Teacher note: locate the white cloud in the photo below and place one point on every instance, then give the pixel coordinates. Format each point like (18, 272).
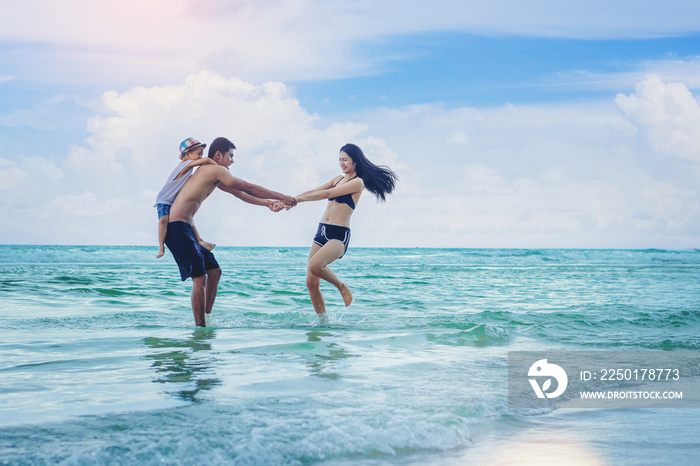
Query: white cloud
(686, 70)
(139, 133)
(163, 41)
(546, 176)
(667, 115)
(458, 137)
(578, 175)
(111, 180)
(10, 174)
(481, 179)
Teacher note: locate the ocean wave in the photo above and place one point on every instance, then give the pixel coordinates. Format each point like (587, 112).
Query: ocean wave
(228, 435)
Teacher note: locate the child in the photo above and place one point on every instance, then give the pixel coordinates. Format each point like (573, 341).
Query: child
(191, 152)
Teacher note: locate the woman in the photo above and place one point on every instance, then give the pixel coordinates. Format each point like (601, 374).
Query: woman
(333, 235)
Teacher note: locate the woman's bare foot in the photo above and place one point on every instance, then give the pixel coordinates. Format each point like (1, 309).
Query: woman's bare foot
(207, 246)
(346, 294)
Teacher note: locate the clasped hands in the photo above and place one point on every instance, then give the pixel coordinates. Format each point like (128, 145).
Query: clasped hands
(286, 204)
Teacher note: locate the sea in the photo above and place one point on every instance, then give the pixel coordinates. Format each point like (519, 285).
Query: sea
(100, 361)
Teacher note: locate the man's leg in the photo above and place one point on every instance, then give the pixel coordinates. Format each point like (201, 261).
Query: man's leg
(213, 277)
(199, 297)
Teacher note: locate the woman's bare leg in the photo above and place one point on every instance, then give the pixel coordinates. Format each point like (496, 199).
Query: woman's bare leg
(319, 259)
(313, 283)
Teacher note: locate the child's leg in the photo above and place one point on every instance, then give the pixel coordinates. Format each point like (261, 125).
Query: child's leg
(162, 231)
(204, 244)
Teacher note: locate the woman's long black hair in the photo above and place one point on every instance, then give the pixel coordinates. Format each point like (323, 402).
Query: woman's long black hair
(378, 179)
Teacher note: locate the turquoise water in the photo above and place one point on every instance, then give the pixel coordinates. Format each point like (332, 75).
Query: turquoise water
(100, 362)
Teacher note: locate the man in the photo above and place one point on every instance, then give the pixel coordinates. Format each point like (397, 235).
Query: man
(192, 259)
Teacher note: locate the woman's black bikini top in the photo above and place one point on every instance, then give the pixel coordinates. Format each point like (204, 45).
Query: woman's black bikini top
(345, 198)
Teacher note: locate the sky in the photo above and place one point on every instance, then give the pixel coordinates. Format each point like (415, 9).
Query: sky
(511, 124)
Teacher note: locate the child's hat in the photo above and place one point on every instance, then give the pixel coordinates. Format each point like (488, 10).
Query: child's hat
(189, 144)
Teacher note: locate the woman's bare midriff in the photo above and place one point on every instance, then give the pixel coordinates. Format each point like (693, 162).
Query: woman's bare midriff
(337, 214)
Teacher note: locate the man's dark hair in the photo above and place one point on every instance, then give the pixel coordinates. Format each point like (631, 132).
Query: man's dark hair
(220, 145)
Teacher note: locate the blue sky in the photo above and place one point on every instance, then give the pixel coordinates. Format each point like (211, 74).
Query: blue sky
(462, 69)
(511, 125)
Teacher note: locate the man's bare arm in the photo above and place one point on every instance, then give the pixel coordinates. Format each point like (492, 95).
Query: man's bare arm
(245, 197)
(229, 182)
